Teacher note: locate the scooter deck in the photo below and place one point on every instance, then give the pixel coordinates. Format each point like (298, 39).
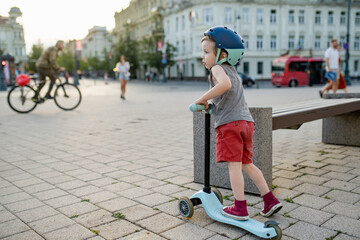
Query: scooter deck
(213, 209)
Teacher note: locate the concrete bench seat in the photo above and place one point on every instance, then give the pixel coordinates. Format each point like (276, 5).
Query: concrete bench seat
(337, 114)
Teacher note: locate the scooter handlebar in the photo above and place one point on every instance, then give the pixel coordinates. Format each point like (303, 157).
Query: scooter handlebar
(199, 107)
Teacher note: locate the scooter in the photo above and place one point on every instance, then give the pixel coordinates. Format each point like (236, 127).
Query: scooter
(212, 200)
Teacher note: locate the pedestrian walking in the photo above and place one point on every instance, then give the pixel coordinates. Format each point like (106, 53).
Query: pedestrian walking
(123, 67)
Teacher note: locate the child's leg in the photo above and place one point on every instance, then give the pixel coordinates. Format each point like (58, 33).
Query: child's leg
(257, 177)
(236, 180)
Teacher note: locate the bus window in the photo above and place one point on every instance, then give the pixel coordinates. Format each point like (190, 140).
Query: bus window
(297, 66)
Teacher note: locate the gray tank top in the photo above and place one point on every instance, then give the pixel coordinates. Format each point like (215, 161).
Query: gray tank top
(231, 106)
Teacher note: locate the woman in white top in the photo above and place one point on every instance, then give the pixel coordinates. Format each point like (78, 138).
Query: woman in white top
(123, 68)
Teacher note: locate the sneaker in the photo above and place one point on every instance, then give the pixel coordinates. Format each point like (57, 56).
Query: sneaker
(321, 94)
(271, 205)
(238, 211)
(122, 97)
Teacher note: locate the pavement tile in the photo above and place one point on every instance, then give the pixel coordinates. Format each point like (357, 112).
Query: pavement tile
(312, 164)
(312, 171)
(163, 222)
(12, 227)
(356, 180)
(312, 189)
(6, 216)
(49, 194)
(341, 185)
(163, 175)
(9, 190)
(150, 183)
(226, 230)
(285, 183)
(62, 201)
(302, 230)
(180, 180)
(116, 229)
(169, 208)
(287, 174)
(116, 204)
(36, 213)
(310, 215)
(27, 182)
(28, 235)
(200, 218)
(219, 237)
(103, 181)
(339, 176)
(38, 187)
(143, 235)
(51, 223)
(73, 232)
(135, 192)
(100, 196)
(188, 231)
(345, 237)
(336, 168)
(78, 208)
(312, 201)
(154, 199)
(282, 193)
(85, 190)
(341, 208)
(343, 196)
(168, 189)
(71, 184)
(312, 179)
(15, 197)
(118, 187)
(138, 212)
(344, 224)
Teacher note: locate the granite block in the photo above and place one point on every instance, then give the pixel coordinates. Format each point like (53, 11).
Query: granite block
(262, 149)
(336, 129)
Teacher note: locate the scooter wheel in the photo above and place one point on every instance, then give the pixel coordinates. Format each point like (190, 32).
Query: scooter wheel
(278, 232)
(218, 194)
(186, 207)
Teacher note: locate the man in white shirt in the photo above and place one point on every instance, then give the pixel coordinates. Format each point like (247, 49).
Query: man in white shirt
(332, 62)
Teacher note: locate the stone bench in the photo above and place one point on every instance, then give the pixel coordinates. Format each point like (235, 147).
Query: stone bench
(337, 116)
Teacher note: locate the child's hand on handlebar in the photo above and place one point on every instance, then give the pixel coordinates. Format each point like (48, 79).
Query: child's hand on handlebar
(202, 102)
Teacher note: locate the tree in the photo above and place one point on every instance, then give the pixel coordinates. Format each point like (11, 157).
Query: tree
(66, 59)
(36, 52)
(129, 48)
(153, 57)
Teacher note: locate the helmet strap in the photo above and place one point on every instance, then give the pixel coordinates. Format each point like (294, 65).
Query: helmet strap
(217, 57)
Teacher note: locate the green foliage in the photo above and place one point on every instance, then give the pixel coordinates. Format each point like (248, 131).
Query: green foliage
(66, 59)
(36, 51)
(118, 215)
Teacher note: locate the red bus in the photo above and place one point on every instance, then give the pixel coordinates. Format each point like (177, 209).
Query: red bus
(296, 71)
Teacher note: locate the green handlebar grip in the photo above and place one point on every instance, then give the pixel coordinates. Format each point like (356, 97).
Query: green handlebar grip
(196, 107)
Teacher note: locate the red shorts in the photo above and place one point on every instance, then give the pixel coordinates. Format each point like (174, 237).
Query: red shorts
(234, 142)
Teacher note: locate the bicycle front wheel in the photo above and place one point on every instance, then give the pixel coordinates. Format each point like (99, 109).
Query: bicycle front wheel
(67, 96)
(20, 99)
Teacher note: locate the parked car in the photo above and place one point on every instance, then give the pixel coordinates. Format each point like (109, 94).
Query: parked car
(246, 80)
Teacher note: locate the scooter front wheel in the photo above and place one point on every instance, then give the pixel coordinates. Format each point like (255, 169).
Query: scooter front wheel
(273, 224)
(186, 207)
(218, 194)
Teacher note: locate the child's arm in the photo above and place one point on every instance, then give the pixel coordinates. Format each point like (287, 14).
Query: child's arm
(223, 84)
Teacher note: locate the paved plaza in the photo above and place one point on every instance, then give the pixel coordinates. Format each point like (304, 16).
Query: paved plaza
(114, 169)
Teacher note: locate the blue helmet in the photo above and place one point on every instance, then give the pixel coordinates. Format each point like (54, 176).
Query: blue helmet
(227, 39)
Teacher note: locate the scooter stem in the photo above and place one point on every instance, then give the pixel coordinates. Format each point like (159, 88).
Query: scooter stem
(207, 187)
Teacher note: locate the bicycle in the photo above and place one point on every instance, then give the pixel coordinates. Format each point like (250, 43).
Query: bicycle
(20, 98)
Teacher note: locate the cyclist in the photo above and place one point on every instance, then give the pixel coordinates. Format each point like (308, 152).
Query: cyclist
(47, 67)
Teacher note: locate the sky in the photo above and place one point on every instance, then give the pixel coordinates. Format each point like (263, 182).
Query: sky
(49, 20)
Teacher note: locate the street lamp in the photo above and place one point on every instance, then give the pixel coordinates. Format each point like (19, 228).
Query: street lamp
(347, 77)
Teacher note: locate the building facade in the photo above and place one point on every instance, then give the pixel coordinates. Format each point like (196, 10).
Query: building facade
(270, 28)
(12, 36)
(97, 43)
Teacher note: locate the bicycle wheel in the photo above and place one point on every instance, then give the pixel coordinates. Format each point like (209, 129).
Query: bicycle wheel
(67, 96)
(19, 99)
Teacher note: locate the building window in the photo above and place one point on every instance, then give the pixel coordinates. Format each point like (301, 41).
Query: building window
(259, 67)
(357, 43)
(301, 42)
(182, 22)
(291, 17)
(183, 47)
(302, 17)
(228, 15)
(245, 15)
(357, 18)
(259, 16)
(177, 47)
(318, 17)
(177, 24)
(259, 42)
(291, 42)
(167, 27)
(317, 42)
(342, 41)
(356, 66)
(273, 16)
(328, 44)
(246, 40)
(343, 18)
(246, 68)
(331, 17)
(208, 16)
(273, 42)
